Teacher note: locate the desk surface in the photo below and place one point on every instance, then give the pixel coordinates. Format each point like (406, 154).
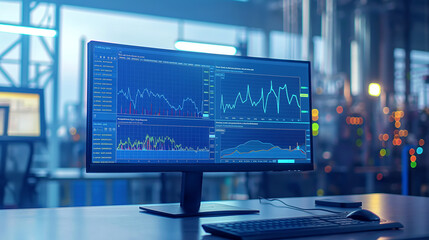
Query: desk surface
(126, 222)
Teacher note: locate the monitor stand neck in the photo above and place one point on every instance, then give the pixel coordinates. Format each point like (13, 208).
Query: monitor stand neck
(190, 200)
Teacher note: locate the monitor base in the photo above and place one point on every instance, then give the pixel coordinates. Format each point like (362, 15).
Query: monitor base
(174, 210)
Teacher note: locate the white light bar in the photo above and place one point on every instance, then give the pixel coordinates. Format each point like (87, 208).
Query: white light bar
(205, 47)
(44, 32)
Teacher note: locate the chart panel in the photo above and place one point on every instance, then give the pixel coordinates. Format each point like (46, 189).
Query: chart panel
(259, 97)
(160, 89)
(256, 143)
(161, 143)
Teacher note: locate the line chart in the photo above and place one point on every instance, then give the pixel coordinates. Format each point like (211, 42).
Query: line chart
(162, 142)
(259, 96)
(160, 89)
(188, 107)
(262, 99)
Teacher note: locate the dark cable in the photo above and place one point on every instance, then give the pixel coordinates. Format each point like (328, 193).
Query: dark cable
(306, 210)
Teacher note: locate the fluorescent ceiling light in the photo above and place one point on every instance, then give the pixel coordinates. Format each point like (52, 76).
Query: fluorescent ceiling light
(205, 47)
(44, 32)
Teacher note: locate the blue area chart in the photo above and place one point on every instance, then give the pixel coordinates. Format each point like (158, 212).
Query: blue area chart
(159, 89)
(257, 97)
(256, 149)
(258, 143)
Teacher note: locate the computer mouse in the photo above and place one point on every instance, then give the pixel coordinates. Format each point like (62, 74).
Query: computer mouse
(363, 215)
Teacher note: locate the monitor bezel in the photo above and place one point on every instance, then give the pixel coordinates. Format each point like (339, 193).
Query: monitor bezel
(184, 167)
(42, 136)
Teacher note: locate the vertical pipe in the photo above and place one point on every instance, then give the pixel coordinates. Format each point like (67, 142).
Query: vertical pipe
(25, 43)
(407, 47)
(329, 35)
(306, 30)
(386, 58)
(267, 44)
(81, 89)
(53, 188)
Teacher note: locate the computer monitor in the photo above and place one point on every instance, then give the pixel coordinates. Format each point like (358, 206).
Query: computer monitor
(22, 114)
(156, 110)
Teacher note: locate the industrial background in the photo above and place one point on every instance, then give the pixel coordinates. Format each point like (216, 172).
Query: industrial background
(370, 84)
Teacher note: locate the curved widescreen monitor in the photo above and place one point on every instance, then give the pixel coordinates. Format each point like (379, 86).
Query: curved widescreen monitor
(163, 110)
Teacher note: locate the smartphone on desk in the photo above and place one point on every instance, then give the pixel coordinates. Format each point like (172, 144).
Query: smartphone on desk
(338, 203)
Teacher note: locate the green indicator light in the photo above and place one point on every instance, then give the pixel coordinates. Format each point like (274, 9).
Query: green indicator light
(303, 95)
(419, 150)
(359, 143)
(315, 126)
(413, 164)
(383, 152)
(359, 131)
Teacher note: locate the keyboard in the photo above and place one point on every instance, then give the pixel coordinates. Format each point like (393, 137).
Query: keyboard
(296, 227)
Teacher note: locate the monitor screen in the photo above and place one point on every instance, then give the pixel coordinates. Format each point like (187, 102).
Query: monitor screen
(163, 110)
(25, 111)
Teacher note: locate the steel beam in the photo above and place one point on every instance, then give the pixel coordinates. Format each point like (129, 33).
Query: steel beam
(252, 14)
(25, 44)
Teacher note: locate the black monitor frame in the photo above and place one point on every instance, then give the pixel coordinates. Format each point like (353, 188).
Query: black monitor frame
(192, 173)
(170, 167)
(42, 136)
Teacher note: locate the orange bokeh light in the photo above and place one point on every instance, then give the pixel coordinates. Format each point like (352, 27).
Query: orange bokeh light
(421, 142)
(340, 109)
(397, 124)
(315, 112)
(397, 141)
(385, 137)
(398, 114)
(412, 151)
(328, 169)
(413, 158)
(386, 110)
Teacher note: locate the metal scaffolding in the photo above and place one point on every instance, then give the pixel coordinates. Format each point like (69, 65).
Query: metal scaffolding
(36, 73)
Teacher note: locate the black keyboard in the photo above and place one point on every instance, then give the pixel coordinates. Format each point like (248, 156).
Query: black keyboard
(296, 227)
